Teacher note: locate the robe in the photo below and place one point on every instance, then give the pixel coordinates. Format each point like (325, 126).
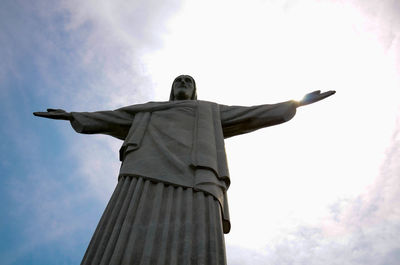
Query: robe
(180, 146)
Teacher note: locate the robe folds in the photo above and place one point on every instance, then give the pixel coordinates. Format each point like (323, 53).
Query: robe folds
(181, 143)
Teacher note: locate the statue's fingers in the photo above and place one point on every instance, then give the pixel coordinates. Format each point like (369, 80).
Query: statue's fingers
(328, 93)
(331, 92)
(41, 114)
(54, 110)
(316, 92)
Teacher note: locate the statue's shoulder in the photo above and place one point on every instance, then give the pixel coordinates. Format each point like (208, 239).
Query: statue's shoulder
(161, 105)
(209, 103)
(205, 102)
(144, 106)
(179, 103)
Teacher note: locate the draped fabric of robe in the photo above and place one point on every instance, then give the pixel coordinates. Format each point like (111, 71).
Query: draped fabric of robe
(152, 223)
(173, 157)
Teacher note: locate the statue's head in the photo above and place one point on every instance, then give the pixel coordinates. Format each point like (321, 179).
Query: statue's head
(183, 88)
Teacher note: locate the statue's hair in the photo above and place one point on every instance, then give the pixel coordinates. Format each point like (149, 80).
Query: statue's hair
(194, 95)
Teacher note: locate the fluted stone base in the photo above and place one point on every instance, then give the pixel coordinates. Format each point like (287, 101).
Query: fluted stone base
(153, 223)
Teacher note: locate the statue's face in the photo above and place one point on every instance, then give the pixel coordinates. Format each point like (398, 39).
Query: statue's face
(183, 87)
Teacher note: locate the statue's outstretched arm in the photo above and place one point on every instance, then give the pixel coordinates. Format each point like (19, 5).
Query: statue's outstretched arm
(57, 114)
(314, 97)
(236, 120)
(111, 122)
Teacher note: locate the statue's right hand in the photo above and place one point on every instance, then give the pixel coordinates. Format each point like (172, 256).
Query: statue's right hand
(57, 114)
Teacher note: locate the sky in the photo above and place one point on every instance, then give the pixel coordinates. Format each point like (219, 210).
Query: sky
(321, 189)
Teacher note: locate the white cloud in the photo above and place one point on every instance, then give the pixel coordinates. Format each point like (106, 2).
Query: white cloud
(362, 230)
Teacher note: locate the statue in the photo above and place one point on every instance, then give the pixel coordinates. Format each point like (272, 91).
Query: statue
(170, 204)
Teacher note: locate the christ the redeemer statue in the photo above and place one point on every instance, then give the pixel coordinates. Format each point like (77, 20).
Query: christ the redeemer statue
(170, 204)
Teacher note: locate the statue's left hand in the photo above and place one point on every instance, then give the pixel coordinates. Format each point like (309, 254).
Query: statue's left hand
(57, 114)
(315, 96)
